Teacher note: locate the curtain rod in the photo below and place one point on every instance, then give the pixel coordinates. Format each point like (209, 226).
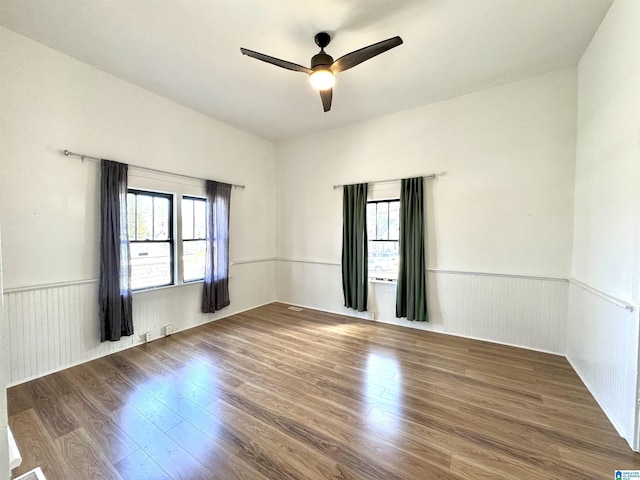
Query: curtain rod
(82, 156)
(432, 177)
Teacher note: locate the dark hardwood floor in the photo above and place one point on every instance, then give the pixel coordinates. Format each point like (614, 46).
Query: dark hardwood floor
(277, 394)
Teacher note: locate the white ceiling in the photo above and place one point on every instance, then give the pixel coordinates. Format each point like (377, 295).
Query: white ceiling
(189, 50)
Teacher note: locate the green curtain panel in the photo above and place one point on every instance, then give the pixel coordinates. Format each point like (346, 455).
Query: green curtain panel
(411, 295)
(114, 290)
(355, 282)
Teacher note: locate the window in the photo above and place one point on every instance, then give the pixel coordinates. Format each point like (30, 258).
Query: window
(383, 232)
(194, 230)
(150, 228)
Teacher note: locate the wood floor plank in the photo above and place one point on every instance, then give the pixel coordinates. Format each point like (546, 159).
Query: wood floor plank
(357, 435)
(86, 380)
(140, 466)
(119, 389)
(277, 394)
(276, 454)
(222, 461)
(85, 458)
(36, 446)
(47, 402)
(163, 450)
(19, 399)
(113, 441)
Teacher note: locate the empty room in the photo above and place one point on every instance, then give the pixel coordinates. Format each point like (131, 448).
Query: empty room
(361, 239)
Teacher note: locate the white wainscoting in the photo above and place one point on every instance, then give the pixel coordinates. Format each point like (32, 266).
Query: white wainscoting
(602, 347)
(312, 284)
(52, 327)
(524, 311)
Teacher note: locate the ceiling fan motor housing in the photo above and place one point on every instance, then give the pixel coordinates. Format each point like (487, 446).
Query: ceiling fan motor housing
(321, 60)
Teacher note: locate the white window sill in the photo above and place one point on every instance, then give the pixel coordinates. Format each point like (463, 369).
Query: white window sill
(385, 281)
(164, 287)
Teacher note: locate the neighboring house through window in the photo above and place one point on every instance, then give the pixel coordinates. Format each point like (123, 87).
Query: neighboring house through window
(194, 230)
(150, 228)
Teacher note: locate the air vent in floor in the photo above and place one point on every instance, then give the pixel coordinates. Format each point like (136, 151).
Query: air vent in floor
(295, 309)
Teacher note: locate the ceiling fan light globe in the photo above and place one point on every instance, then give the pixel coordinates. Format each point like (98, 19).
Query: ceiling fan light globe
(322, 79)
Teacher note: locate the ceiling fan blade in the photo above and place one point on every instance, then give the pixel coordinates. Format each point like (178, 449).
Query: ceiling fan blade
(276, 61)
(358, 56)
(326, 96)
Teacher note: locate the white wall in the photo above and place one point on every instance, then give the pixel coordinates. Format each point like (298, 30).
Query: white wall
(603, 341)
(4, 381)
(502, 204)
(49, 203)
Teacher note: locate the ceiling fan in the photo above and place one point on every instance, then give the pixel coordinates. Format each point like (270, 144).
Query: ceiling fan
(324, 68)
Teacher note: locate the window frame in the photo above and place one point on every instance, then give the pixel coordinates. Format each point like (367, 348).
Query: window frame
(171, 240)
(197, 198)
(388, 201)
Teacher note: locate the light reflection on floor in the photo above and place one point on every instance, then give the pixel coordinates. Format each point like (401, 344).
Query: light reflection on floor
(164, 402)
(384, 416)
(189, 392)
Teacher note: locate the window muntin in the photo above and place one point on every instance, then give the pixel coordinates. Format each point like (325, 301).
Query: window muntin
(150, 229)
(383, 232)
(194, 230)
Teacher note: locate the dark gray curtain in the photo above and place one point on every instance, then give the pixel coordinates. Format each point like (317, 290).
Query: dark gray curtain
(411, 295)
(215, 292)
(114, 291)
(355, 261)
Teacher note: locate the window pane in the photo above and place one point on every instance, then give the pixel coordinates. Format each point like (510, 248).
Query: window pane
(187, 218)
(131, 216)
(160, 218)
(200, 224)
(193, 260)
(144, 217)
(394, 220)
(382, 221)
(371, 220)
(150, 264)
(383, 260)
